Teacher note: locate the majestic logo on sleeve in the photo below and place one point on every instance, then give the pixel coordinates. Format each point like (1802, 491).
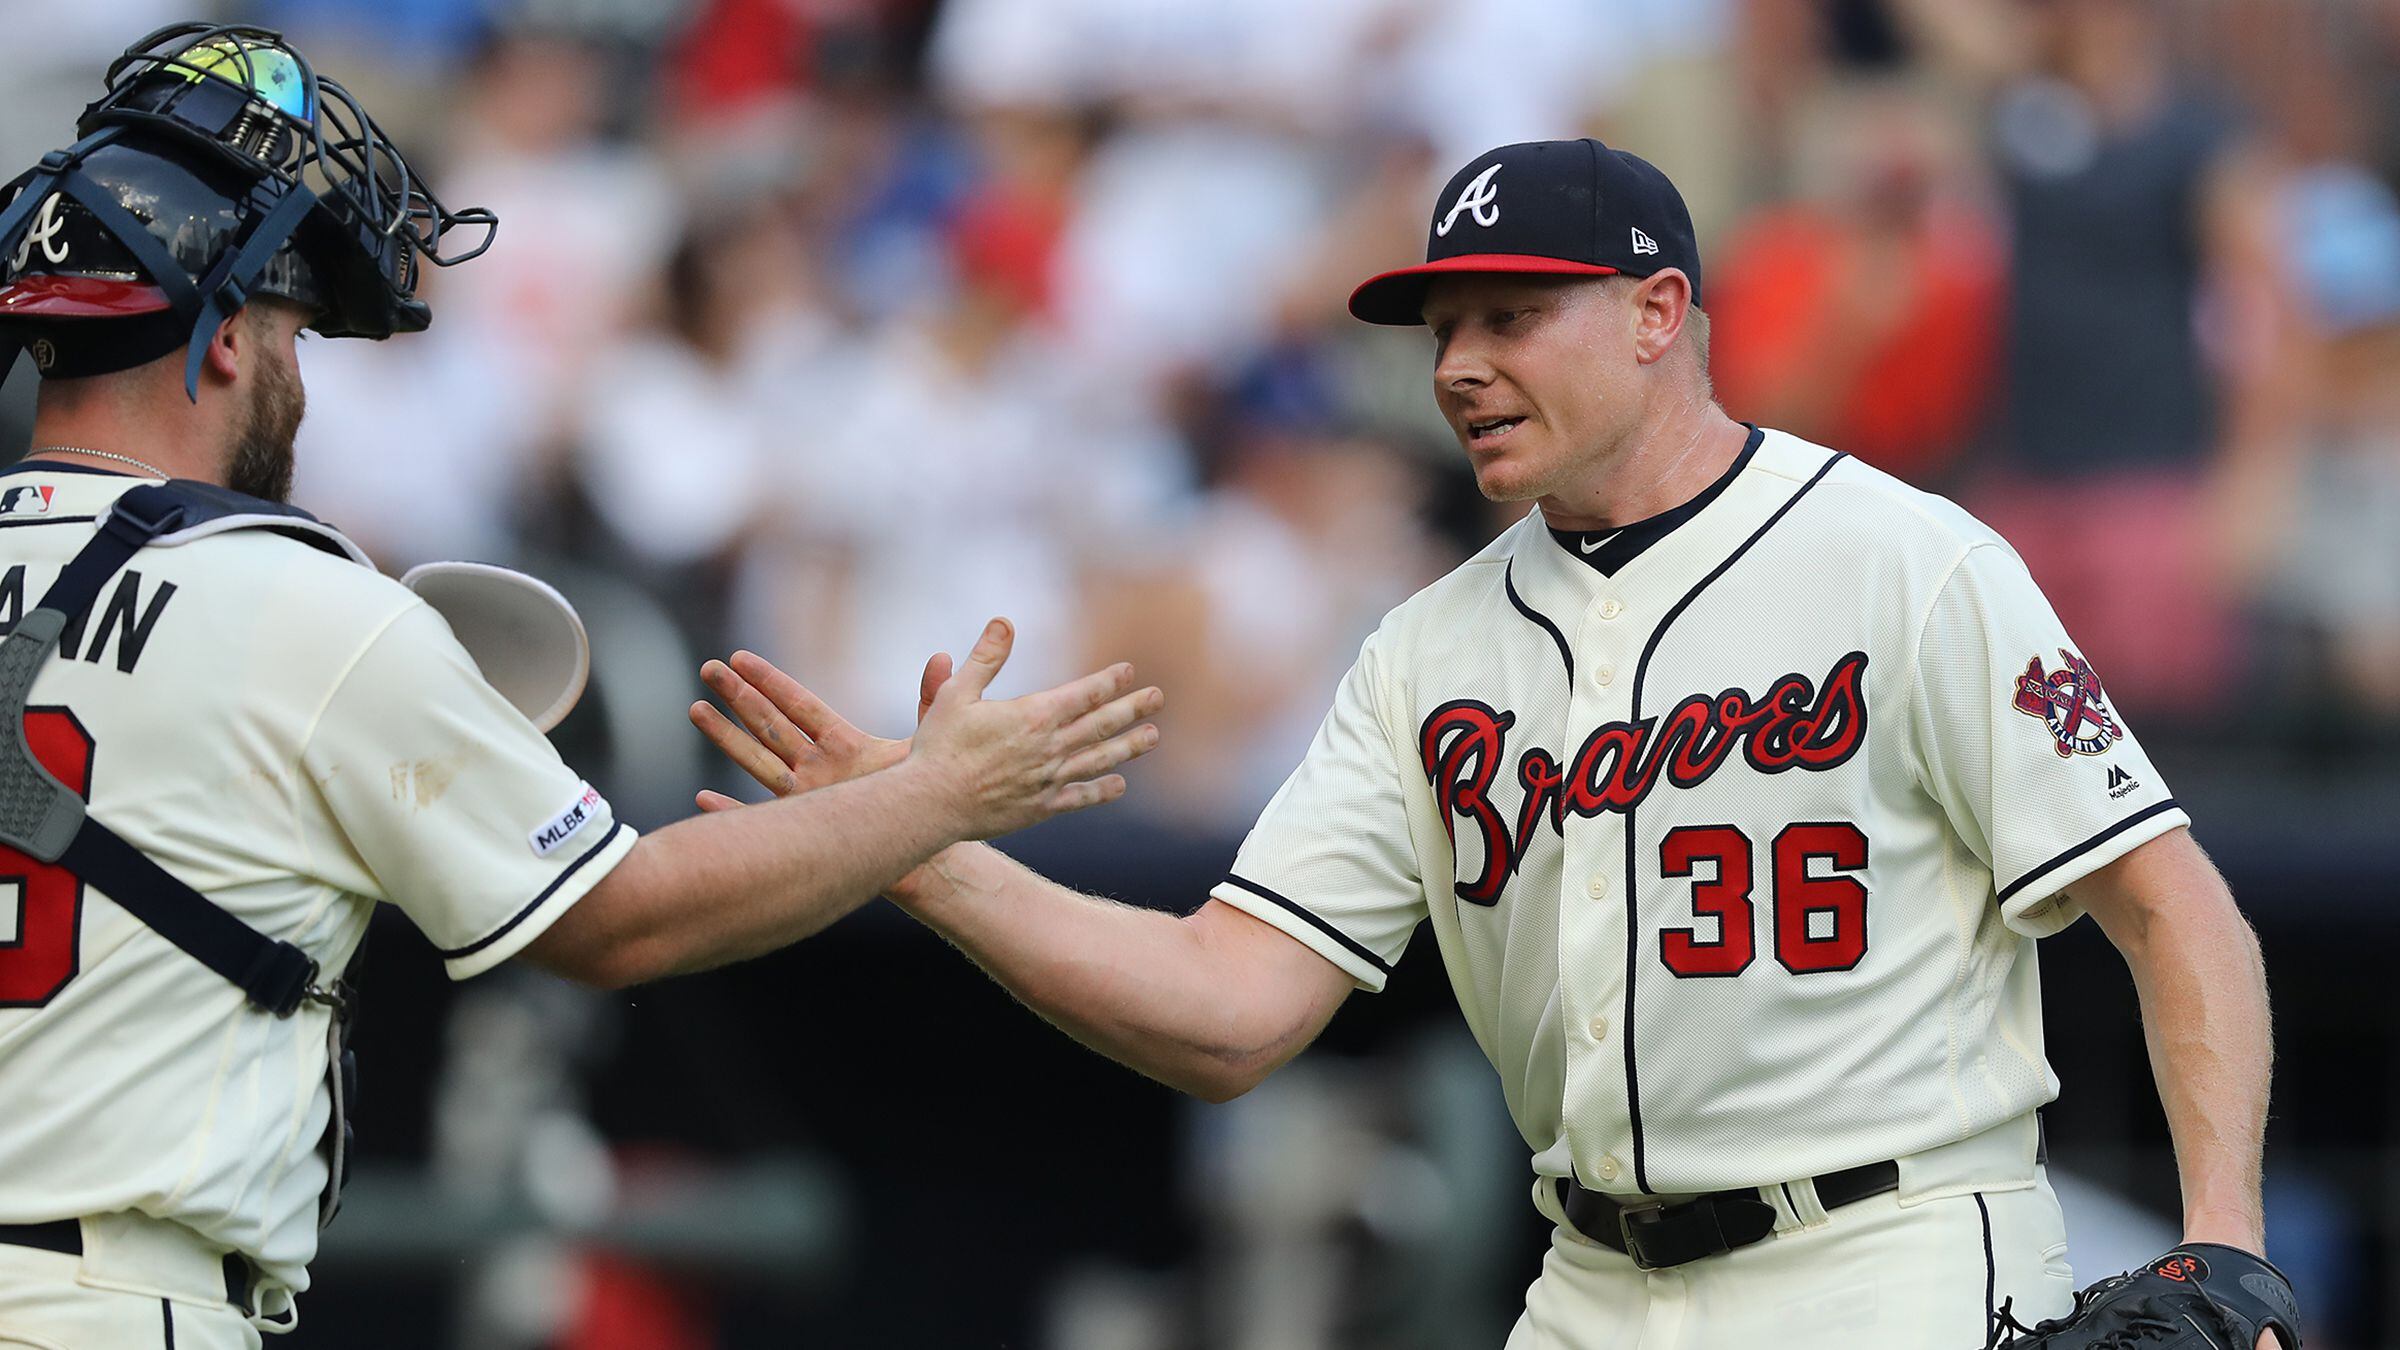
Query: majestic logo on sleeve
(1480, 196)
(1794, 725)
(2070, 701)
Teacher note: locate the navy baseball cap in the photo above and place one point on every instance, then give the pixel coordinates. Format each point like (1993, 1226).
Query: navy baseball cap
(1565, 208)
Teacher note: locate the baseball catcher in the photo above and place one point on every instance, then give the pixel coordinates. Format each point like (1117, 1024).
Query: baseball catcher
(225, 741)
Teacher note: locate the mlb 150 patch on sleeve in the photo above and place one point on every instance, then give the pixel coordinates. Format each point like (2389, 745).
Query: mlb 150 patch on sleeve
(552, 834)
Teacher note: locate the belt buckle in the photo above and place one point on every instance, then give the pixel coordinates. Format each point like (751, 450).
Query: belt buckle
(1626, 1217)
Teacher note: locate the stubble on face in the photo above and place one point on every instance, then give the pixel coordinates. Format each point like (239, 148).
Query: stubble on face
(263, 456)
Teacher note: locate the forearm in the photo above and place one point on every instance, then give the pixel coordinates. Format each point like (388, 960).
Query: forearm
(2205, 1019)
(728, 886)
(1144, 988)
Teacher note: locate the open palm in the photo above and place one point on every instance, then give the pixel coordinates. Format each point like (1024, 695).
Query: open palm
(788, 739)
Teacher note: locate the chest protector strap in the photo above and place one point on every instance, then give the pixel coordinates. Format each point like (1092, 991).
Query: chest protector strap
(44, 819)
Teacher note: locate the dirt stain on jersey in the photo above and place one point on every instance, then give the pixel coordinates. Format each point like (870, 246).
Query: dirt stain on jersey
(419, 783)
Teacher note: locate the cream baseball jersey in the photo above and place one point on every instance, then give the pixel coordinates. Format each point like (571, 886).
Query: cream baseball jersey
(1733, 827)
(298, 738)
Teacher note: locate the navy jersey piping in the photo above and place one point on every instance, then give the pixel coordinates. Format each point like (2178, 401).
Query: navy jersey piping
(1629, 542)
(1991, 1266)
(1633, 1082)
(536, 903)
(1508, 579)
(59, 466)
(46, 520)
(2086, 846)
(1349, 944)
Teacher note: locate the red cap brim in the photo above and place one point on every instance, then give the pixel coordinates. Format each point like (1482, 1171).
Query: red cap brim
(1398, 297)
(45, 296)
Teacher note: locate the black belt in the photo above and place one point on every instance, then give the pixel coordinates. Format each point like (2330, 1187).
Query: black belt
(66, 1238)
(1657, 1235)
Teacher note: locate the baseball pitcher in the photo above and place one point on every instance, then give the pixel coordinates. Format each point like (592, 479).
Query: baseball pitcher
(1735, 784)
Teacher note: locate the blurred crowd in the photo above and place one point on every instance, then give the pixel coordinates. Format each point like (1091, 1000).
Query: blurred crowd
(835, 326)
(829, 328)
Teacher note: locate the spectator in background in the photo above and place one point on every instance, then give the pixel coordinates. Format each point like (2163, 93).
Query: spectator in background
(1867, 314)
(679, 423)
(737, 58)
(590, 218)
(2136, 215)
(951, 462)
(54, 54)
(1309, 533)
(478, 413)
(2330, 500)
(393, 426)
(415, 34)
(1689, 99)
(1207, 173)
(1469, 77)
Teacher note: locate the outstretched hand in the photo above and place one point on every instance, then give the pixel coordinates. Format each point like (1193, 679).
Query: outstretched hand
(1012, 764)
(790, 740)
(1003, 765)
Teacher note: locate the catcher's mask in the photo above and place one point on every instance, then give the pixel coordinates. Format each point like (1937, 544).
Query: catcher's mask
(217, 166)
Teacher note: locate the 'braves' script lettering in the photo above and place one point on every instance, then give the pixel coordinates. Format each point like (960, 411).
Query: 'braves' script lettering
(1794, 725)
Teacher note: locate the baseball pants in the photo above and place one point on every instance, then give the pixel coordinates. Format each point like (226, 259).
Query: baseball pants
(1881, 1272)
(153, 1287)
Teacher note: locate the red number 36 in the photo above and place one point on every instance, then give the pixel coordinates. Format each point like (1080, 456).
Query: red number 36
(1798, 897)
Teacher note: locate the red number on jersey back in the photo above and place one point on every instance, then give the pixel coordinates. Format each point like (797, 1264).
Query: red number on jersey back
(41, 956)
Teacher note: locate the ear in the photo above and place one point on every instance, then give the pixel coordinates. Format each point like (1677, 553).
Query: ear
(1660, 303)
(223, 358)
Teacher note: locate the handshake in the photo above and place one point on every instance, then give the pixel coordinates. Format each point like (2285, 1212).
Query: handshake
(990, 767)
(857, 815)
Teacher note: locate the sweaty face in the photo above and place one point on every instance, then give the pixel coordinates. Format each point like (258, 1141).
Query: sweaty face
(270, 420)
(1536, 376)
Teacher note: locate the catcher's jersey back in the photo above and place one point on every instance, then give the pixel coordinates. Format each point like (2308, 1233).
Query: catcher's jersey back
(296, 737)
(1733, 828)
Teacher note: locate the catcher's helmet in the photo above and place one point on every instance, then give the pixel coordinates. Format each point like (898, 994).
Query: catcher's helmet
(216, 166)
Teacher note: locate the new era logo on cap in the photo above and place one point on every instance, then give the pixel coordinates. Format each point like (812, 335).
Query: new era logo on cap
(1574, 208)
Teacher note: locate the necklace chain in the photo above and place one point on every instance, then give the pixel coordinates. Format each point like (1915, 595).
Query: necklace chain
(151, 469)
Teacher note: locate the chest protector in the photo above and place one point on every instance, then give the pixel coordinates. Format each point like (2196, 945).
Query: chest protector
(45, 819)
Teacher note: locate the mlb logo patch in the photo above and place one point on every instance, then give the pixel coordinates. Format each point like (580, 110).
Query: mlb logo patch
(33, 499)
(552, 835)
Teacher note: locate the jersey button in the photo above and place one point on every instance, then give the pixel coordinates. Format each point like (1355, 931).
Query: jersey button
(1597, 887)
(1607, 1170)
(1599, 1028)
(1610, 609)
(1604, 674)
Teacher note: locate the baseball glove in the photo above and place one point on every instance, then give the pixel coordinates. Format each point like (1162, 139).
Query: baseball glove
(2200, 1296)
